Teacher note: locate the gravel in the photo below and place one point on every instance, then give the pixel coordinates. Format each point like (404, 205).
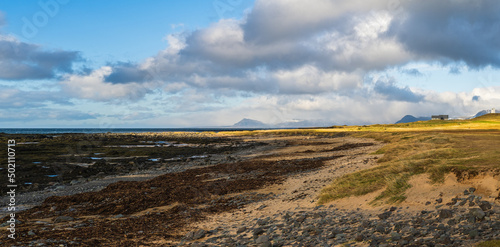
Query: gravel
(455, 225)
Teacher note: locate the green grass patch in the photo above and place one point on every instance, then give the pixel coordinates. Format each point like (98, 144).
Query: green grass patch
(490, 243)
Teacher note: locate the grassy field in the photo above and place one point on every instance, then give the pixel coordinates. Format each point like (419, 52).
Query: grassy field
(436, 148)
(464, 147)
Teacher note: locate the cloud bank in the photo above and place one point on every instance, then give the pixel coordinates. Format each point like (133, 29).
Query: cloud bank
(290, 58)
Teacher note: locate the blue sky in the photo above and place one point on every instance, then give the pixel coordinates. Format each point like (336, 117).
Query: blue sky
(68, 63)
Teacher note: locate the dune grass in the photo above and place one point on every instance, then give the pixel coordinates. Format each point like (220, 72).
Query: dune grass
(432, 147)
(490, 243)
(416, 151)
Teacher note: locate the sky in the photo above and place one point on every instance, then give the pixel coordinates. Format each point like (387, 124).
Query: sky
(199, 63)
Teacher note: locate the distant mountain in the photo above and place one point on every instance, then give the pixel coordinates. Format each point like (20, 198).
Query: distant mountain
(250, 123)
(411, 119)
(303, 124)
(483, 112)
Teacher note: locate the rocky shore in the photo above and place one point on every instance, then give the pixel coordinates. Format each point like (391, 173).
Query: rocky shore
(257, 191)
(461, 222)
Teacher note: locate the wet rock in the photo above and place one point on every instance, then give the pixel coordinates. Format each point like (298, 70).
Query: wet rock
(472, 189)
(439, 200)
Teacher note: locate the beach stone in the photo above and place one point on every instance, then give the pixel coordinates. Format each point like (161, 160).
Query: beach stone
(484, 205)
(445, 239)
(241, 229)
(198, 245)
(463, 202)
(257, 231)
(452, 222)
(445, 213)
(359, 237)
(199, 234)
(473, 234)
(472, 189)
(340, 236)
(385, 215)
(477, 213)
(439, 200)
(262, 222)
(263, 241)
(301, 218)
(395, 236)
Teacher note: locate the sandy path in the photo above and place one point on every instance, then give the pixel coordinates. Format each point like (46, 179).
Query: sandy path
(299, 192)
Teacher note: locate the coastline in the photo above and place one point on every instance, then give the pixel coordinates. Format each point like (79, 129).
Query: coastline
(255, 190)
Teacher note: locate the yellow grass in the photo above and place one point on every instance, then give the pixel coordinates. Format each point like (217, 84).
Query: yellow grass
(432, 147)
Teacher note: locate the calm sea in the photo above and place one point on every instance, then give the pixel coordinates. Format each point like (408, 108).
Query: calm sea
(117, 130)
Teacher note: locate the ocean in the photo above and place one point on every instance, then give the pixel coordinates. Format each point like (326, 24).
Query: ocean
(114, 130)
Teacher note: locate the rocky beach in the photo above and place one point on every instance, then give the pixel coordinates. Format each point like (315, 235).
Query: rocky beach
(241, 190)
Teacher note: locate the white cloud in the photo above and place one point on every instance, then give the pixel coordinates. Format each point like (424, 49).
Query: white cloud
(94, 87)
(309, 79)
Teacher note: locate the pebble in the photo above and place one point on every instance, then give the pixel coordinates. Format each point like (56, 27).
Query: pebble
(327, 226)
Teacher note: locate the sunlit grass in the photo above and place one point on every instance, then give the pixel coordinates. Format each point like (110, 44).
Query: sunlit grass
(414, 151)
(490, 243)
(432, 147)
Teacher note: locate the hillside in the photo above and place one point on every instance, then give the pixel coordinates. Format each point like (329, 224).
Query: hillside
(250, 123)
(411, 119)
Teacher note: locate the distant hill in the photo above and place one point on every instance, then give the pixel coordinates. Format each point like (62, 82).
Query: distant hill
(483, 112)
(411, 119)
(250, 123)
(489, 117)
(303, 124)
